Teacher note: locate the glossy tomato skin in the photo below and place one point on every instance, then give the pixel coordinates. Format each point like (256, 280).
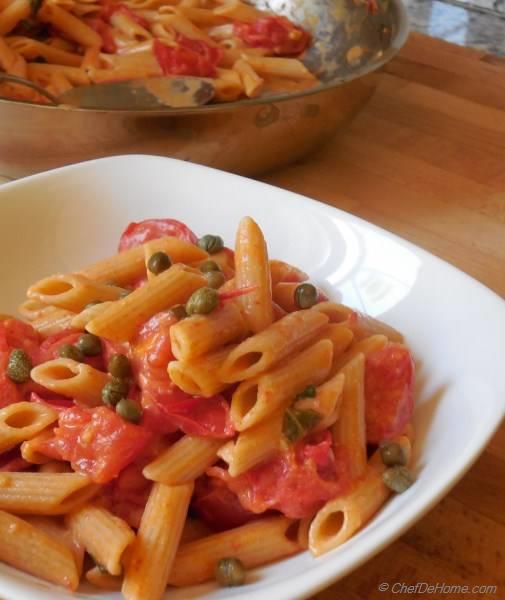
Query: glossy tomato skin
(278, 34)
(98, 442)
(49, 348)
(389, 392)
(188, 57)
(297, 482)
(151, 229)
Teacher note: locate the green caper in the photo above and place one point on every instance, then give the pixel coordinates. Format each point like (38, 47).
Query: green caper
(298, 422)
(129, 410)
(19, 366)
(309, 392)
(392, 454)
(89, 344)
(209, 265)
(230, 572)
(179, 311)
(305, 295)
(215, 279)
(119, 366)
(398, 478)
(93, 303)
(125, 293)
(202, 301)
(70, 351)
(114, 391)
(159, 262)
(211, 243)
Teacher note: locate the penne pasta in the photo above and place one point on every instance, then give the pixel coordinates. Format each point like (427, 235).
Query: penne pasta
(327, 401)
(12, 14)
(184, 461)
(22, 421)
(365, 346)
(103, 580)
(256, 398)
(73, 27)
(251, 81)
(81, 320)
(32, 449)
(291, 68)
(52, 320)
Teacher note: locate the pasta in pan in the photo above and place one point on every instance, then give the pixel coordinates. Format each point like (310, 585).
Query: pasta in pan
(178, 426)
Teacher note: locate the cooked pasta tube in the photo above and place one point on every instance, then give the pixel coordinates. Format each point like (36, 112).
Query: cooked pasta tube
(200, 377)
(283, 271)
(290, 68)
(105, 536)
(12, 14)
(52, 320)
(257, 398)
(23, 420)
(253, 269)
(72, 292)
(55, 466)
(158, 537)
(254, 445)
(73, 27)
(234, 9)
(103, 581)
(251, 81)
(327, 401)
(129, 265)
(31, 49)
(184, 461)
(122, 319)
(12, 62)
(71, 379)
(341, 518)
(31, 309)
(124, 23)
(350, 430)
(194, 337)
(185, 27)
(30, 450)
(44, 494)
(280, 339)
(341, 337)
(227, 85)
(283, 293)
(88, 314)
(365, 346)
(32, 550)
(257, 543)
(337, 313)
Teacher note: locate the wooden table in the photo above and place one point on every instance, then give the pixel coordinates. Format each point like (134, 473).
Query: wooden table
(426, 160)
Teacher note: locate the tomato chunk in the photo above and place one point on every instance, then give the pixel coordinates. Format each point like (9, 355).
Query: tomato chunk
(389, 392)
(17, 334)
(297, 482)
(98, 442)
(104, 30)
(275, 33)
(49, 349)
(189, 57)
(151, 229)
(194, 415)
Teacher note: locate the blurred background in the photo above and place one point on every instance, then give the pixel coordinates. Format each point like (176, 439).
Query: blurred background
(477, 23)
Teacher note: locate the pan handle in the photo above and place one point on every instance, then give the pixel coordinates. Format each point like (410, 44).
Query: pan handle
(30, 84)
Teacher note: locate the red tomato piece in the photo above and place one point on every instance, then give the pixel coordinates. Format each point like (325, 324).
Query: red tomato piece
(194, 415)
(98, 442)
(51, 345)
(9, 391)
(389, 392)
(151, 229)
(13, 461)
(105, 32)
(189, 57)
(297, 482)
(17, 334)
(217, 506)
(276, 33)
(54, 401)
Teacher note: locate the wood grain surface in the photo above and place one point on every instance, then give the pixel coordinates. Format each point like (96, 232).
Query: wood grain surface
(426, 160)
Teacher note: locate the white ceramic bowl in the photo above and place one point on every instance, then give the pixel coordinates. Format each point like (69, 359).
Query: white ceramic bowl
(61, 220)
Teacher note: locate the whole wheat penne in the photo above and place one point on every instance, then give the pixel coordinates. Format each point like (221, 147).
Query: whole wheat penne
(365, 346)
(105, 536)
(72, 292)
(252, 269)
(23, 420)
(34, 551)
(153, 551)
(283, 337)
(72, 379)
(257, 543)
(256, 398)
(129, 265)
(194, 337)
(184, 461)
(44, 494)
(121, 320)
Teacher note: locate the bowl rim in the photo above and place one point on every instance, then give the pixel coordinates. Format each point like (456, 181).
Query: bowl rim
(397, 43)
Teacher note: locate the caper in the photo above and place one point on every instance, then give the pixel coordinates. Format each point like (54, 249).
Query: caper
(398, 478)
(215, 279)
(209, 265)
(93, 303)
(305, 295)
(119, 366)
(392, 454)
(159, 262)
(211, 243)
(70, 351)
(179, 311)
(114, 391)
(202, 301)
(298, 422)
(89, 344)
(128, 410)
(19, 366)
(230, 572)
(309, 392)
